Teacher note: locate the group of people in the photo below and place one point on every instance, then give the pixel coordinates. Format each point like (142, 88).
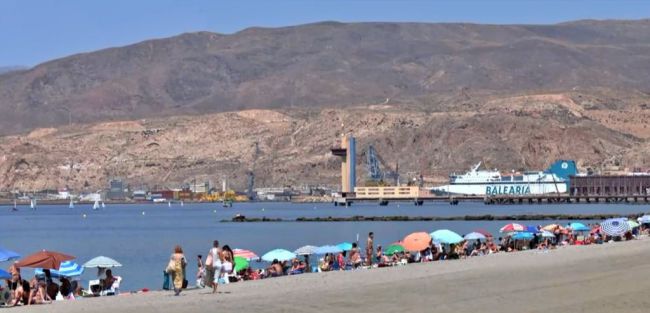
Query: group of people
(40, 289)
(217, 270)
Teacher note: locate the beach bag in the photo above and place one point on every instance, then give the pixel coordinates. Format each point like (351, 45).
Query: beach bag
(167, 281)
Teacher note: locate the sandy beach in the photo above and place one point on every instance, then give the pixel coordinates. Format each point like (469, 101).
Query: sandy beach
(597, 278)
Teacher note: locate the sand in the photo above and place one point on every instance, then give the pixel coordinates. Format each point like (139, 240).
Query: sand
(605, 278)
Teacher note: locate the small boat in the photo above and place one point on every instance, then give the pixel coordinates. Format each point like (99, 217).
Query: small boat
(96, 205)
(227, 203)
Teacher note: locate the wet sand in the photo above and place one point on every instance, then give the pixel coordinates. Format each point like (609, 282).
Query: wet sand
(605, 278)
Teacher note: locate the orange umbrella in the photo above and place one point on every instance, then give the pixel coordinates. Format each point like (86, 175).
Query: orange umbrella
(416, 241)
(50, 260)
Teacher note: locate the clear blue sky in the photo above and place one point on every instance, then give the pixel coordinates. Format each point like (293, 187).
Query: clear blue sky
(33, 31)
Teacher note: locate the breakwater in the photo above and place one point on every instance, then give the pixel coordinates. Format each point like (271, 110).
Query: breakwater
(487, 217)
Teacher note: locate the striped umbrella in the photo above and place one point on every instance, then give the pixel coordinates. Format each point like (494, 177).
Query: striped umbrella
(246, 254)
(615, 226)
(513, 227)
(67, 269)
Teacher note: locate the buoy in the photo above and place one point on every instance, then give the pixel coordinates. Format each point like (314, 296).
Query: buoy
(214, 211)
(84, 215)
(142, 212)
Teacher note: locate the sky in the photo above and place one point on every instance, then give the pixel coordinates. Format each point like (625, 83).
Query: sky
(34, 31)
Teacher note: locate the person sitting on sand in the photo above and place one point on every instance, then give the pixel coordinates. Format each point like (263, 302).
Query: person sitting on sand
(107, 283)
(38, 293)
(295, 267)
(340, 260)
(66, 289)
(325, 265)
(355, 256)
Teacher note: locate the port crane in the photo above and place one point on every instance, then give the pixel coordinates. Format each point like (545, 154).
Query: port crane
(374, 164)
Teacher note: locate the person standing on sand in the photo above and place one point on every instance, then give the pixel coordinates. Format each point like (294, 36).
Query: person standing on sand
(213, 255)
(369, 248)
(176, 267)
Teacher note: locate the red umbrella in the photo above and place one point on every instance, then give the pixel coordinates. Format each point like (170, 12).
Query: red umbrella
(50, 260)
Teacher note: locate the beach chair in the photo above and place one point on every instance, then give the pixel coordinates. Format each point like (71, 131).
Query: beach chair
(94, 288)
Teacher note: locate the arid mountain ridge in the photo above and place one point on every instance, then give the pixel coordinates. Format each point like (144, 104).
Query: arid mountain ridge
(438, 97)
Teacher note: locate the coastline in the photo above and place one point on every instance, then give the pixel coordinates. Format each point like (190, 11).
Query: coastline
(595, 278)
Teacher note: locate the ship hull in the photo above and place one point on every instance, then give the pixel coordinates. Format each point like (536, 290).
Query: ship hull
(488, 189)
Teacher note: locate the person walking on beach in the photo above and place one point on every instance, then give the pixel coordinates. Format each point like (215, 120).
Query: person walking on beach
(176, 267)
(369, 248)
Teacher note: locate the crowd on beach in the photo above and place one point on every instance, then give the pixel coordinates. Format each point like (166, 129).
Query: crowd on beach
(223, 265)
(220, 265)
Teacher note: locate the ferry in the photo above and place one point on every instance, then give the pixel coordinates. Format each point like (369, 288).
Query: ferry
(491, 182)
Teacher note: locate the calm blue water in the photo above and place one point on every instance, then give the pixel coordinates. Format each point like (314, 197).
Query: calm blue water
(143, 242)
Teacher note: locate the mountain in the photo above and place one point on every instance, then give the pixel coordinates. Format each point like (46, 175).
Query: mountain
(7, 69)
(435, 67)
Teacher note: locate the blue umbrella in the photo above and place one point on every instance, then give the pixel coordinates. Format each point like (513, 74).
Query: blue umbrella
(532, 229)
(446, 236)
(474, 236)
(6, 255)
(328, 249)
(67, 269)
(579, 227)
(615, 226)
(523, 236)
(4, 274)
(278, 254)
(345, 246)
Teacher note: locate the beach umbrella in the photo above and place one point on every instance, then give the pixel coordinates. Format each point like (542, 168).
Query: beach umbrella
(241, 263)
(644, 219)
(483, 232)
(102, 262)
(512, 227)
(67, 269)
(474, 236)
(615, 226)
(328, 249)
(416, 241)
(532, 229)
(579, 227)
(345, 246)
(45, 260)
(246, 254)
(551, 227)
(523, 236)
(632, 224)
(394, 248)
(278, 254)
(4, 274)
(6, 255)
(547, 234)
(305, 250)
(446, 236)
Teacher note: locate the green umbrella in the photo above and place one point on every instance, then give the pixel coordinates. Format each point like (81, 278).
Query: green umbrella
(394, 248)
(240, 263)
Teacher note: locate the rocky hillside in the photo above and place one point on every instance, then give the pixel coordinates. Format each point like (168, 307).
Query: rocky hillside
(435, 67)
(516, 132)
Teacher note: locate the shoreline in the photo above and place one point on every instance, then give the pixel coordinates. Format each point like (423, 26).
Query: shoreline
(595, 278)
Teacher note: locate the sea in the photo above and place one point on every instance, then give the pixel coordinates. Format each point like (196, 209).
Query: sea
(142, 236)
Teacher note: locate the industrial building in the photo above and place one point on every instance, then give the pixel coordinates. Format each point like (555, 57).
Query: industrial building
(606, 185)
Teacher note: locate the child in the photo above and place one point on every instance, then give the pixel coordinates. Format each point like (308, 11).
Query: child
(200, 273)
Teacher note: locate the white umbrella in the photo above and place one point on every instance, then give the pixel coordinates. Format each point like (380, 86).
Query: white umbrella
(306, 250)
(102, 262)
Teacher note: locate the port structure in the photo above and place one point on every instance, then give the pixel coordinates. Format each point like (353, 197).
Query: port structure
(347, 153)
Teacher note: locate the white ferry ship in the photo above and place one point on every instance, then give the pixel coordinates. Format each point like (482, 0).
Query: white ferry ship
(491, 182)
